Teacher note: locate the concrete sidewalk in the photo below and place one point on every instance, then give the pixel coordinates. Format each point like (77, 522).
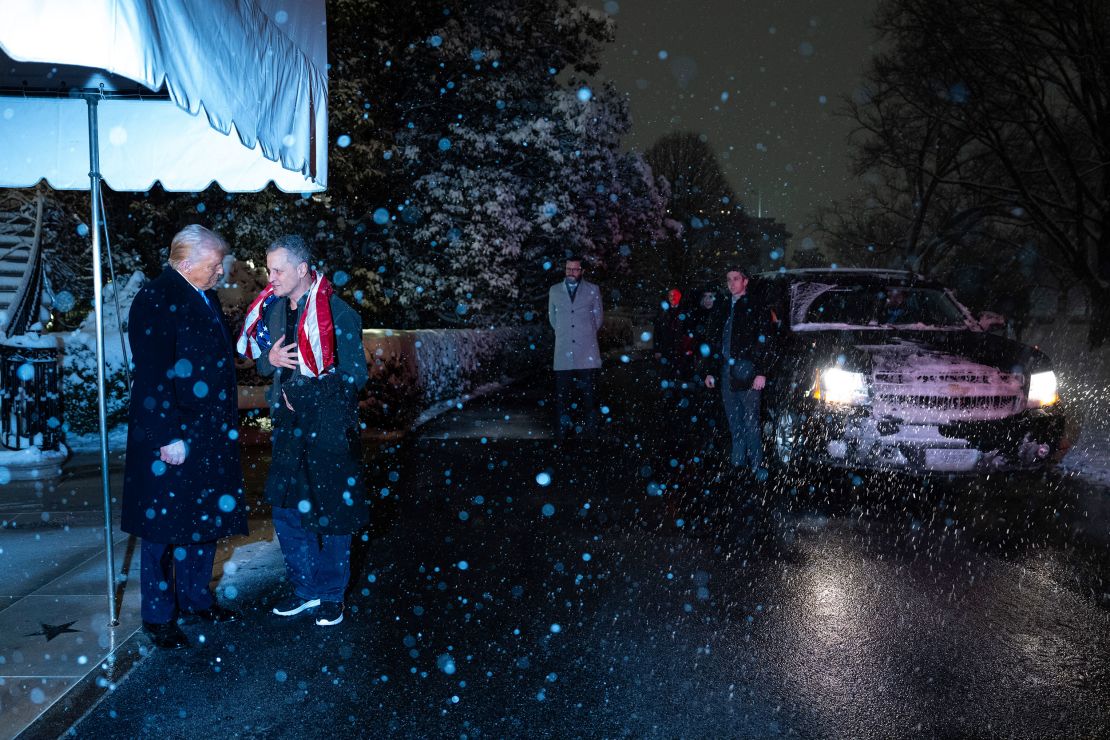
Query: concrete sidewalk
(54, 625)
(58, 651)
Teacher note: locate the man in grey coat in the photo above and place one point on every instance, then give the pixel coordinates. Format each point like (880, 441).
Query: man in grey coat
(574, 310)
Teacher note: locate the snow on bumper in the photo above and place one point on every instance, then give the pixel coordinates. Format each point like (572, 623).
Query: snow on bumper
(1025, 441)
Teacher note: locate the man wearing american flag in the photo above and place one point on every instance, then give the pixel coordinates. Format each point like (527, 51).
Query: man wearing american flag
(310, 342)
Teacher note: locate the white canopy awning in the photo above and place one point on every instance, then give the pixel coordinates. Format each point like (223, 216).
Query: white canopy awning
(255, 66)
(243, 93)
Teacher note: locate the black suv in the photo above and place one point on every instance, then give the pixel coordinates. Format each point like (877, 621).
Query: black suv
(884, 370)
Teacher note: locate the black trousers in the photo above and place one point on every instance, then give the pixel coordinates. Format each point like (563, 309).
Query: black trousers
(175, 579)
(575, 390)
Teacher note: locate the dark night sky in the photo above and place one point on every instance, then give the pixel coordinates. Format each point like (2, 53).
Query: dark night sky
(785, 67)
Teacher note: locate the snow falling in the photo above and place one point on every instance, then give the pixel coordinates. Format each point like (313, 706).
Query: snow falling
(855, 496)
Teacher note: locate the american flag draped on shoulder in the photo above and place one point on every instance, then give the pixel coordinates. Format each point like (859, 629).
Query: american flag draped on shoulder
(315, 333)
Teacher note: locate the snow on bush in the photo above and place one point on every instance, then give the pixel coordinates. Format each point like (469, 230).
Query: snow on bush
(79, 363)
(410, 371)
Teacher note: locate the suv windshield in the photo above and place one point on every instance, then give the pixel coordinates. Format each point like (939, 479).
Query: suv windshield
(893, 305)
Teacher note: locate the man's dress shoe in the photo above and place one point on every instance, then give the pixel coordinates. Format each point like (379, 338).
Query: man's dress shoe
(167, 636)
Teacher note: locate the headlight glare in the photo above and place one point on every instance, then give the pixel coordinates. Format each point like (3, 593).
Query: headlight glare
(842, 386)
(1042, 389)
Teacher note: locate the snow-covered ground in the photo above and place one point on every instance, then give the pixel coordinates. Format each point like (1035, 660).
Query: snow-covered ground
(30, 463)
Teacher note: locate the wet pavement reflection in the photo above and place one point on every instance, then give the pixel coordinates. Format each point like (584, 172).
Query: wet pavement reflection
(509, 588)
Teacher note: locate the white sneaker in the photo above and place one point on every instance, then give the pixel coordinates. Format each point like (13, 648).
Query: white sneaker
(330, 613)
(291, 605)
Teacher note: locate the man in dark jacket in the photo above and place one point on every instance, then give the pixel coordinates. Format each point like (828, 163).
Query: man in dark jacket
(742, 333)
(311, 343)
(672, 338)
(183, 484)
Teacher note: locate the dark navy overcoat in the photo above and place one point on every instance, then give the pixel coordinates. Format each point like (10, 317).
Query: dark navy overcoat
(183, 387)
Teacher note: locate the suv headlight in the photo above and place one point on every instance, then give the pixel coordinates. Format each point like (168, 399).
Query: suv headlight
(1042, 389)
(835, 385)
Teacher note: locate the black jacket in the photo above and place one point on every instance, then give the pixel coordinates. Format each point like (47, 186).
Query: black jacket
(183, 387)
(317, 454)
(753, 335)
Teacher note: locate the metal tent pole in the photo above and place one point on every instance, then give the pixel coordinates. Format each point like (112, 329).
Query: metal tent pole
(91, 99)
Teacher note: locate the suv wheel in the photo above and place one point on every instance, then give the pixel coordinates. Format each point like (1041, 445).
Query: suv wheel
(784, 439)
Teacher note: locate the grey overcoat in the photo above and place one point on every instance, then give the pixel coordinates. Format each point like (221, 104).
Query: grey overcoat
(576, 324)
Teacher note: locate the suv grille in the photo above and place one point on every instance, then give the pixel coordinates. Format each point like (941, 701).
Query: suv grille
(949, 403)
(939, 398)
(903, 378)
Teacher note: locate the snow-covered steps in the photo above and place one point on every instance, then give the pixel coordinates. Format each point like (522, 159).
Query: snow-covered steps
(20, 261)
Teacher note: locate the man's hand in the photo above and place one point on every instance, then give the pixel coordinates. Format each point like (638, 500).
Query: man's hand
(710, 382)
(758, 383)
(283, 355)
(173, 453)
(286, 399)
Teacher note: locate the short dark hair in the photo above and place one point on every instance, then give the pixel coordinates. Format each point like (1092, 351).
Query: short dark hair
(294, 244)
(575, 258)
(738, 268)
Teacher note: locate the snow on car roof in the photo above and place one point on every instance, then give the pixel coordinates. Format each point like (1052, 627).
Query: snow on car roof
(843, 272)
(806, 289)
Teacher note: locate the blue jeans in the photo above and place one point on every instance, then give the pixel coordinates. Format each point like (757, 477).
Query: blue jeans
(175, 577)
(319, 565)
(742, 413)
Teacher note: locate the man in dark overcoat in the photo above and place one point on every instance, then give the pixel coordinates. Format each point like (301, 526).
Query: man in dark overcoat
(183, 484)
(671, 340)
(310, 341)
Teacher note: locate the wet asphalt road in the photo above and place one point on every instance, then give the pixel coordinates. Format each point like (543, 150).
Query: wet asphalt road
(490, 605)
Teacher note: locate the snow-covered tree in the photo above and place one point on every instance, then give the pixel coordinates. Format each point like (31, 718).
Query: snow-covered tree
(468, 150)
(513, 159)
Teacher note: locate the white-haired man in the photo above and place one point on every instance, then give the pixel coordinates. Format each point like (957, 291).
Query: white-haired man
(183, 483)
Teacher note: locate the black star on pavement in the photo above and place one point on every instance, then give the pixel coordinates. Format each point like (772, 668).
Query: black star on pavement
(50, 631)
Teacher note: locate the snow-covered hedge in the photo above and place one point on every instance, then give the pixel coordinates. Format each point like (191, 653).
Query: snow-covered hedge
(79, 363)
(411, 371)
